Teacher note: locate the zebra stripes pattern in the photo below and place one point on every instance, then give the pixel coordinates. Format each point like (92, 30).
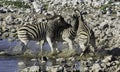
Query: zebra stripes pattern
(85, 35)
(57, 29)
(43, 31)
(69, 34)
(35, 32)
(64, 31)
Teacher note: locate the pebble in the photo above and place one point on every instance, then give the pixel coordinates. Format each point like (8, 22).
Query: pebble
(9, 19)
(3, 10)
(5, 35)
(107, 59)
(21, 65)
(37, 6)
(34, 69)
(55, 68)
(103, 65)
(13, 30)
(18, 21)
(101, 28)
(118, 13)
(96, 67)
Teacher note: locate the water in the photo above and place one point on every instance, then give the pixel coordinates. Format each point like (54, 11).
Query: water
(8, 64)
(10, 47)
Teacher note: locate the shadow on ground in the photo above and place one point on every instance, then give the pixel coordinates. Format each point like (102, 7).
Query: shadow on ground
(114, 51)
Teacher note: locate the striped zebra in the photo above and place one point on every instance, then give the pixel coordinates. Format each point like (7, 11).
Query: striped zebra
(68, 33)
(42, 32)
(85, 35)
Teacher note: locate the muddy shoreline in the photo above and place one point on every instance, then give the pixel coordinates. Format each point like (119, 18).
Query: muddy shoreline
(102, 16)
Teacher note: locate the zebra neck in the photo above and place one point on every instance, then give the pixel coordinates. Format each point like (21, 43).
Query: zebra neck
(75, 27)
(83, 25)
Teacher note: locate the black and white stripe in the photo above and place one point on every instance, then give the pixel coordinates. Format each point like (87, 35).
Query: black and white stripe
(35, 32)
(43, 31)
(69, 33)
(66, 33)
(85, 35)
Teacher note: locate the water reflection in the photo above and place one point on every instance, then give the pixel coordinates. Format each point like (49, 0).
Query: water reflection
(8, 64)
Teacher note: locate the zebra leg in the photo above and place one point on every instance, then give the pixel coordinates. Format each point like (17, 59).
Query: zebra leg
(93, 44)
(25, 44)
(82, 46)
(50, 43)
(41, 43)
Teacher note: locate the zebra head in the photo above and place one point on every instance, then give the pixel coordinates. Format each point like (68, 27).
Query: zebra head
(73, 20)
(79, 14)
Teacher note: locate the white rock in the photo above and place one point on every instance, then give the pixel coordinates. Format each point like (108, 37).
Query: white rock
(118, 13)
(24, 70)
(108, 64)
(28, 11)
(108, 58)
(37, 6)
(3, 10)
(60, 59)
(96, 4)
(55, 68)
(103, 24)
(96, 67)
(2, 53)
(109, 11)
(18, 20)
(9, 19)
(26, 1)
(103, 65)
(71, 59)
(21, 65)
(34, 69)
(13, 30)
(51, 13)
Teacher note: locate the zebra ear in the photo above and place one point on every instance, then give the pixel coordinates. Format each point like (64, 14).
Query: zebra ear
(76, 12)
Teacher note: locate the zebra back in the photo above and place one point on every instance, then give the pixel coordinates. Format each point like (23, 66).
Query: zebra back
(57, 26)
(33, 32)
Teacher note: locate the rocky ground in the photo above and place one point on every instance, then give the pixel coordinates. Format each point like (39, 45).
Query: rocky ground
(102, 16)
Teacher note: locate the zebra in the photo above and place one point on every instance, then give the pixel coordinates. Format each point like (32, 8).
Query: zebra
(68, 33)
(42, 32)
(85, 35)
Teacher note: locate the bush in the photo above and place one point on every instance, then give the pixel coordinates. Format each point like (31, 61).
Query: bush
(18, 4)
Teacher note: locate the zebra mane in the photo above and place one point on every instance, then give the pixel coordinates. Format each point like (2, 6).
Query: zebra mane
(81, 17)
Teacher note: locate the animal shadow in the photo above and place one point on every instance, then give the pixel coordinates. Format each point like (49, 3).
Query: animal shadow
(114, 52)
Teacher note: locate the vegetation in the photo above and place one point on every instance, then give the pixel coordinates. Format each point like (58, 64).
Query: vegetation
(18, 4)
(46, 6)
